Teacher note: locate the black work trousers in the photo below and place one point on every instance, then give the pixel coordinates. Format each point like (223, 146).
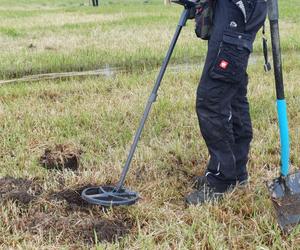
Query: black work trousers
(221, 104)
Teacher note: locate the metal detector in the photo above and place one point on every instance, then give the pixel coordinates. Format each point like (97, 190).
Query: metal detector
(284, 190)
(108, 196)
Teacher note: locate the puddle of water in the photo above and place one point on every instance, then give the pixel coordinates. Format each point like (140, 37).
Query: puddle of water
(107, 71)
(110, 72)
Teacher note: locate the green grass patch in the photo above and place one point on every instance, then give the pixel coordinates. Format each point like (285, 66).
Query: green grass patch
(10, 32)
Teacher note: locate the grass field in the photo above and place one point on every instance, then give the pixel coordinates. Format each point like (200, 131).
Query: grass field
(100, 115)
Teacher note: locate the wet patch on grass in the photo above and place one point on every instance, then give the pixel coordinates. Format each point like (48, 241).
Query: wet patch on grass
(61, 156)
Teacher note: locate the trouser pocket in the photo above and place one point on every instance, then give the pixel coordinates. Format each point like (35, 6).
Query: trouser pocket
(232, 59)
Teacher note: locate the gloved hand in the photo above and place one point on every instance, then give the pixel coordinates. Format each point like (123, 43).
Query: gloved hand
(195, 9)
(203, 18)
(189, 4)
(192, 13)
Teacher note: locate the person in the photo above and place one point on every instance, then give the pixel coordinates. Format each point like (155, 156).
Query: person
(95, 3)
(221, 104)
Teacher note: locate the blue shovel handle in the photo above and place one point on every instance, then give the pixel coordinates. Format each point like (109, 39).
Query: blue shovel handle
(273, 14)
(284, 137)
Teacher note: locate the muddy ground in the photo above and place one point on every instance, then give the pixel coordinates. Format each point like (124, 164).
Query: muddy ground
(20, 190)
(61, 214)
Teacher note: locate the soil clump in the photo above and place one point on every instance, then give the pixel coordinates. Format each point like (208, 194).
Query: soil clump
(61, 156)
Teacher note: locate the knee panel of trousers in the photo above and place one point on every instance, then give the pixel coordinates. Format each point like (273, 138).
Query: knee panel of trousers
(215, 128)
(210, 94)
(208, 106)
(212, 128)
(243, 135)
(247, 135)
(214, 120)
(244, 138)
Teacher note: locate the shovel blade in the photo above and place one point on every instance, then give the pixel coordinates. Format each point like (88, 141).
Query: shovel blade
(285, 194)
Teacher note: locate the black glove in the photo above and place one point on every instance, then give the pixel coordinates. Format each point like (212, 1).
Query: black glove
(192, 13)
(204, 10)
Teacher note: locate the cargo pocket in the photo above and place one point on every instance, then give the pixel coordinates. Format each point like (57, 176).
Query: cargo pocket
(232, 59)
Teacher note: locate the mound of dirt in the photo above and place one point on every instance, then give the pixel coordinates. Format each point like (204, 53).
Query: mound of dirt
(18, 189)
(61, 156)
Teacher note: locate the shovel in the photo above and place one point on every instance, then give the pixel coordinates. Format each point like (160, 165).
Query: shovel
(284, 190)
